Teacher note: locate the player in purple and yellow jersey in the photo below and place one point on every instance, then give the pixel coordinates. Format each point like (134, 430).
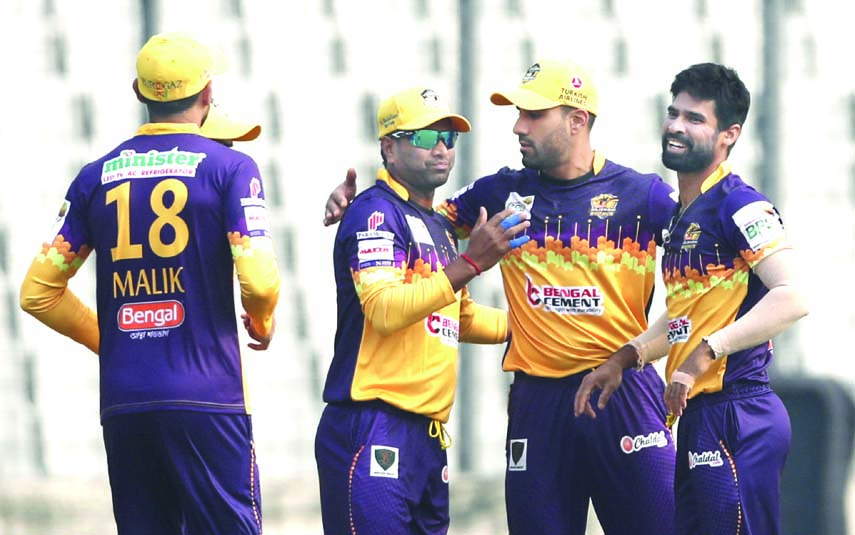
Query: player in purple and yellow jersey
(171, 215)
(402, 309)
(576, 292)
(731, 287)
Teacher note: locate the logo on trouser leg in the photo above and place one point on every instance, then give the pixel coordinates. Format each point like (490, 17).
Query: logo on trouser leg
(517, 453)
(384, 461)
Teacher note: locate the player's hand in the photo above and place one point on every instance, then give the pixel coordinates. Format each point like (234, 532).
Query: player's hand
(608, 378)
(261, 342)
(678, 390)
(491, 239)
(340, 198)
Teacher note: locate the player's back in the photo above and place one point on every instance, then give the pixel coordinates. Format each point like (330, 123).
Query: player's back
(160, 211)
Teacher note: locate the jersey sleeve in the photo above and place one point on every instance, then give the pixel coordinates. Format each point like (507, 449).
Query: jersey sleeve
(392, 294)
(481, 324)
(463, 208)
(44, 292)
(251, 245)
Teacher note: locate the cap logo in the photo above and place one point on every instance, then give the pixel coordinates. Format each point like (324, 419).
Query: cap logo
(430, 98)
(531, 73)
(576, 82)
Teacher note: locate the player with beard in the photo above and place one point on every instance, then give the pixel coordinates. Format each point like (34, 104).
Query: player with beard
(579, 289)
(731, 287)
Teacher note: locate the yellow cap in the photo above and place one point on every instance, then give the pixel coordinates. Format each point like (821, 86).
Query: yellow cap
(416, 108)
(547, 84)
(218, 125)
(172, 66)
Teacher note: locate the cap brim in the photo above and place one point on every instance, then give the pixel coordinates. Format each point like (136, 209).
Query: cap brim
(523, 99)
(218, 125)
(458, 122)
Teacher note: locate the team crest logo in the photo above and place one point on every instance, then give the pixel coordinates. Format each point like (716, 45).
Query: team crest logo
(384, 462)
(604, 205)
(430, 98)
(517, 454)
(693, 234)
(531, 73)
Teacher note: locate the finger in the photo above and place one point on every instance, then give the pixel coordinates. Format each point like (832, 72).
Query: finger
(590, 410)
(482, 217)
(605, 395)
(582, 396)
(516, 242)
(512, 220)
(350, 178)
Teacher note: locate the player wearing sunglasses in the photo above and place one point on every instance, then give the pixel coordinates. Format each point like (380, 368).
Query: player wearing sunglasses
(402, 309)
(577, 292)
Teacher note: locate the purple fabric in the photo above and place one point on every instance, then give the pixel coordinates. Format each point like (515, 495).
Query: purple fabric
(731, 451)
(183, 472)
(623, 460)
(380, 472)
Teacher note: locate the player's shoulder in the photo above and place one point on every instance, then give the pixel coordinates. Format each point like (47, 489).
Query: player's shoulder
(735, 193)
(374, 199)
(616, 170)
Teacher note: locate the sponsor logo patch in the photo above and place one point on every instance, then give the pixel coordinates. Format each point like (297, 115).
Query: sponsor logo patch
(519, 203)
(444, 328)
(420, 232)
(151, 164)
(708, 458)
(375, 250)
(679, 330)
(575, 300)
(633, 444)
(151, 315)
(759, 223)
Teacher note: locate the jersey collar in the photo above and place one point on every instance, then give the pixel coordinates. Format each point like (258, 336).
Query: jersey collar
(721, 171)
(384, 176)
(154, 129)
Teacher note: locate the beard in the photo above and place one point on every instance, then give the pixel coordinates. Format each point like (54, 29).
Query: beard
(695, 158)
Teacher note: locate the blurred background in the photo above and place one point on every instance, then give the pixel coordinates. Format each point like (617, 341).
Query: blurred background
(312, 73)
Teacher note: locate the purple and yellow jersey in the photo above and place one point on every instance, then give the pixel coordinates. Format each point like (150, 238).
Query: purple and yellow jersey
(581, 287)
(171, 215)
(710, 250)
(399, 320)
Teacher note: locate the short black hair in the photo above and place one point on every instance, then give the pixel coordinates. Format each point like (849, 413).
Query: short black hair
(157, 108)
(721, 84)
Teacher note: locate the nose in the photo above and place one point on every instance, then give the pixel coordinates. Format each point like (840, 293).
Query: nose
(440, 147)
(521, 126)
(674, 125)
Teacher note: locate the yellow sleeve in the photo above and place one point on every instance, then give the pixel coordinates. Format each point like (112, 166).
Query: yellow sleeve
(258, 276)
(481, 324)
(390, 305)
(45, 296)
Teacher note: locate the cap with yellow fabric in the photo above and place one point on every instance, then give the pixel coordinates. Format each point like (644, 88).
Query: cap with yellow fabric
(172, 66)
(549, 83)
(218, 125)
(415, 108)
